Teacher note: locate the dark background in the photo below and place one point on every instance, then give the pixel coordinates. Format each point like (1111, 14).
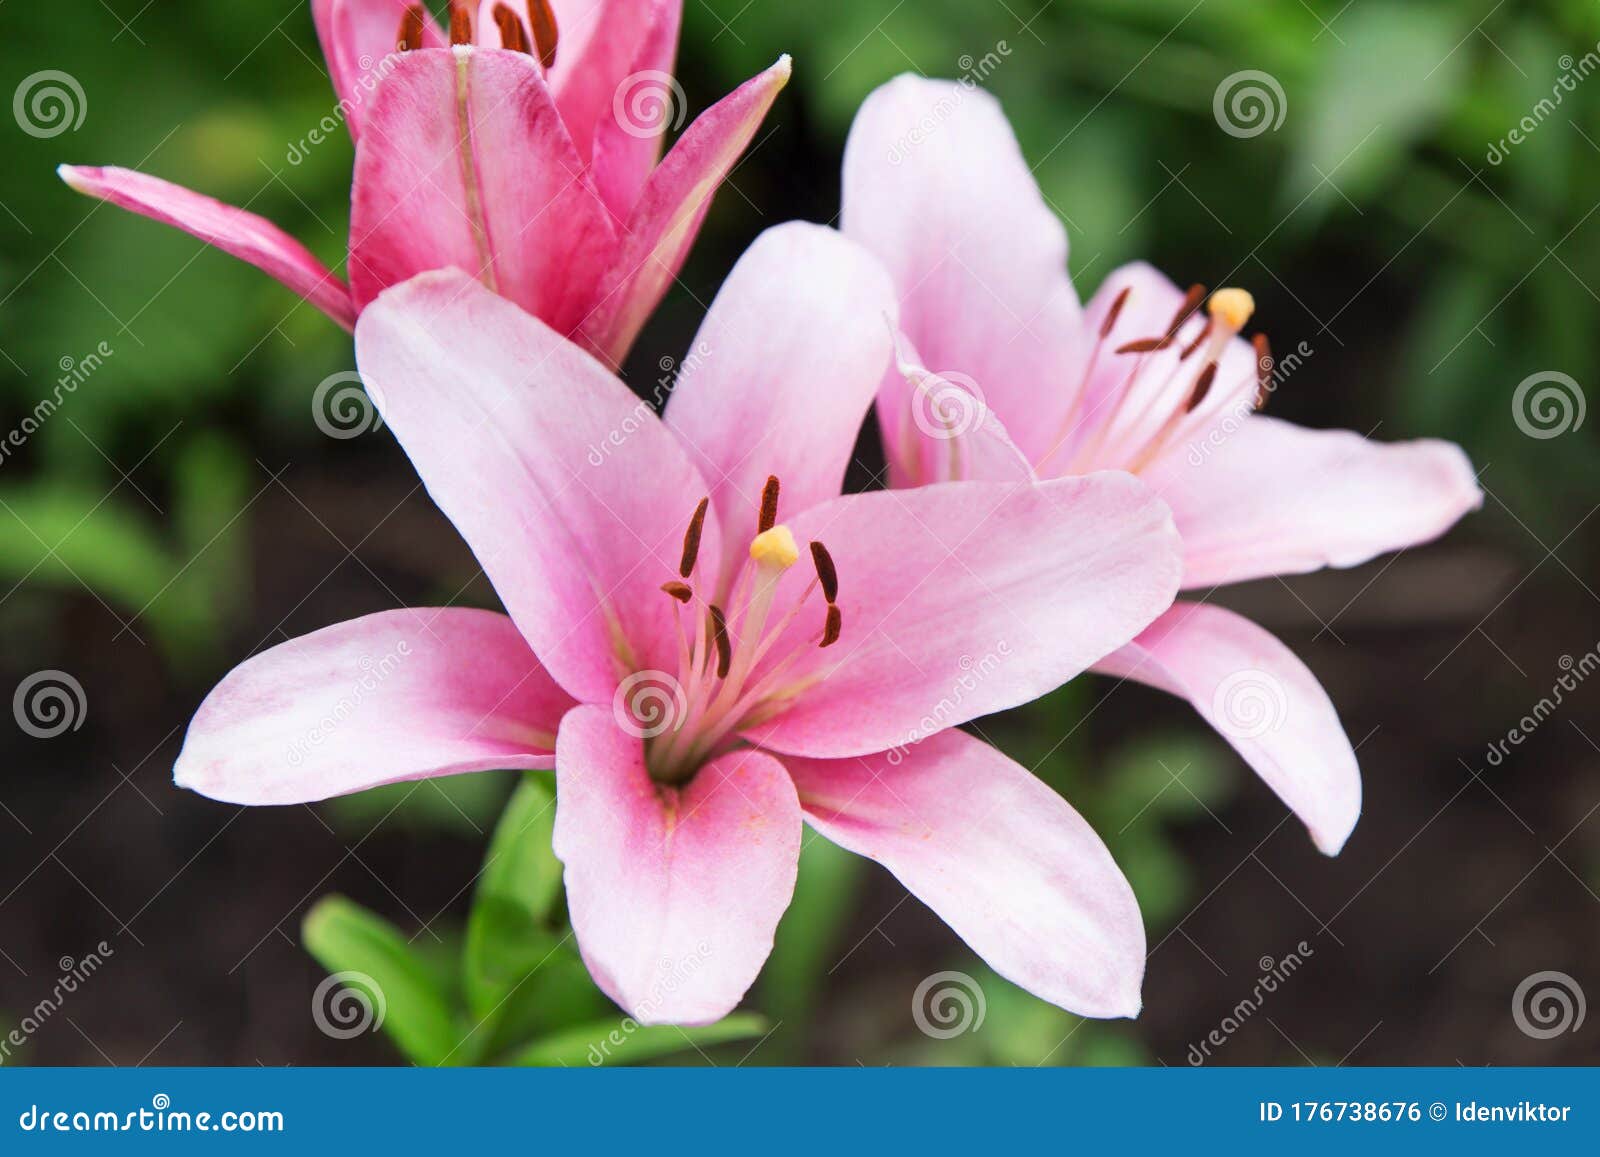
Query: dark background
(183, 510)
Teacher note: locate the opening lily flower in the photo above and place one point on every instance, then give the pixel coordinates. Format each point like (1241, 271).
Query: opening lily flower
(1002, 374)
(521, 147)
(726, 646)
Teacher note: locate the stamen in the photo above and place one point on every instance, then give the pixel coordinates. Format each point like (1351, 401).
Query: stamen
(545, 33)
(1191, 302)
(1205, 330)
(719, 638)
(1202, 387)
(769, 505)
(831, 629)
(412, 24)
(1232, 308)
(1145, 345)
(1115, 312)
(1264, 366)
(827, 574)
(512, 35)
(691, 538)
(680, 591)
(460, 23)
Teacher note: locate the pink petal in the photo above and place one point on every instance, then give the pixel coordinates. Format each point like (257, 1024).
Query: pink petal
(782, 372)
(935, 184)
(570, 491)
(1266, 497)
(1006, 862)
(674, 893)
(244, 235)
(399, 695)
(964, 599)
(466, 164)
(671, 207)
(357, 36)
(1262, 700)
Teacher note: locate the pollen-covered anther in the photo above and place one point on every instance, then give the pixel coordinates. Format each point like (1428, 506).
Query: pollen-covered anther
(691, 539)
(1202, 387)
(827, 573)
(412, 24)
(1191, 302)
(774, 548)
(460, 23)
(1115, 312)
(512, 35)
(542, 19)
(1264, 367)
(683, 592)
(1231, 308)
(769, 505)
(719, 639)
(1144, 345)
(832, 626)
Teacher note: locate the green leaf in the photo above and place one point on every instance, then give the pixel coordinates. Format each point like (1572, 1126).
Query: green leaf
(409, 995)
(807, 940)
(624, 1042)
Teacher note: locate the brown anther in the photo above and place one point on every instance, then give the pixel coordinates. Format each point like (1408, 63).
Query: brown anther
(1110, 323)
(769, 505)
(831, 628)
(460, 22)
(1202, 387)
(545, 33)
(691, 538)
(512, 34)
(719, 638)
(1145, 345)
(412, 26)
(827, 575)
(1191, 302)
(1264, 366)
(1205, 332)
(680, 591)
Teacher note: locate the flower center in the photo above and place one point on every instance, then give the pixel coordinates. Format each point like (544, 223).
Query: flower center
(536, 34)
(729, 675)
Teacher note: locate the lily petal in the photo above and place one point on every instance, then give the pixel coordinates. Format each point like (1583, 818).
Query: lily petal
(1272, 498)
(356, 37)
(674, 892)
(243, 235)
(963, 599)
(671, 207)
(395, 696)
(1006, 862)
(466, 164)
(936, 185)
(570, 491)
(1262, 700)
(783, 371)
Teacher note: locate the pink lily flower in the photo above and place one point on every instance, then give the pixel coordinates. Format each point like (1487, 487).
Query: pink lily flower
(523, 149)
(719, 658)
(1002, 374)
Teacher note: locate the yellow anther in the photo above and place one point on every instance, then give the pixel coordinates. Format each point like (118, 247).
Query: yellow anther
(1231, 308)
(774, 548)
